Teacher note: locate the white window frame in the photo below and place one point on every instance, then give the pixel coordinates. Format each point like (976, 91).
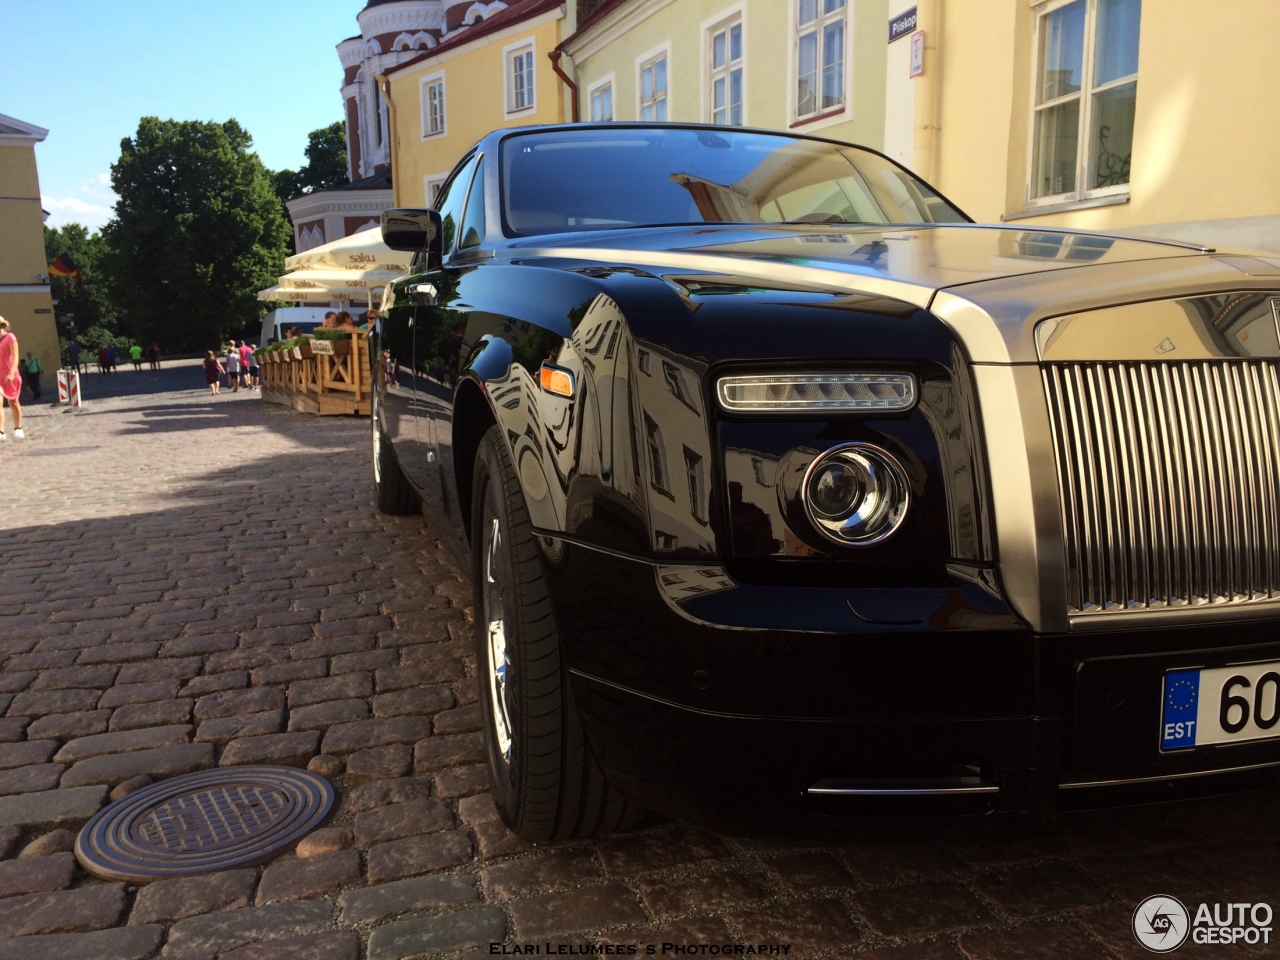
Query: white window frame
(833, 115)
(424, 93)
(429, 181)
(509, 54)
(604, 83)
(1087, 93)
(647, 59)
(723, 20)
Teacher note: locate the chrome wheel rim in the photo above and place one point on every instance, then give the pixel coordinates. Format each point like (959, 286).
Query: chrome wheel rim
(495, 616)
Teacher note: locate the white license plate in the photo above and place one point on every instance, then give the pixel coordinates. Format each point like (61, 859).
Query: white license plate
(1220, 705)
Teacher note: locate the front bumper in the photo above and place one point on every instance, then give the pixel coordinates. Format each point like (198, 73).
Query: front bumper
(750, 728)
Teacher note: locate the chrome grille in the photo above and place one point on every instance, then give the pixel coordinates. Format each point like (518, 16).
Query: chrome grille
(1169, 475)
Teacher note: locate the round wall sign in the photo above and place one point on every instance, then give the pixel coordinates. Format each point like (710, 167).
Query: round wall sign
(204, 821)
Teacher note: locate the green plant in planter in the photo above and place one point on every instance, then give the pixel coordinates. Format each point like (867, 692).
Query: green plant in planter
(330, 334)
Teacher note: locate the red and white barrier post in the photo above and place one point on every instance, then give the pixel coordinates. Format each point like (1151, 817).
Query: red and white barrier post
(69, 387)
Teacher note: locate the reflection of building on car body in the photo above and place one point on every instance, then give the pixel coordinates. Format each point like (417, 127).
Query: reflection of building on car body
(787, 491)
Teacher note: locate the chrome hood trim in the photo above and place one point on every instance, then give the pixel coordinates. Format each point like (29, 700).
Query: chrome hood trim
(828, 278)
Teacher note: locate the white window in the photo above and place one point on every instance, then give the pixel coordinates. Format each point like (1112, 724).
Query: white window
(653, 89)
(431, 95)
(696, 478)
(726, 73)
(520, 93)
(657, 451)
(431, 184)
(600, 96)
(820, 44)
(1086, 88)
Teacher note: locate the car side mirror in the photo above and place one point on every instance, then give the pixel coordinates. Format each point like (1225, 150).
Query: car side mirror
(414, 230)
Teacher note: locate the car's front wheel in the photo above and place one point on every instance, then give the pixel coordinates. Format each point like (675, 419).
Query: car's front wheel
(546, 784)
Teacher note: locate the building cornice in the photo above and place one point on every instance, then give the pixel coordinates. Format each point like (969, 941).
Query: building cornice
(312, 205)
(14, 131)
(610, 27)
(430, 60)
(405, 15)
(352, 51)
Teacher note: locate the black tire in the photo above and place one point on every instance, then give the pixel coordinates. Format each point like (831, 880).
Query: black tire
(546, 784)
(392, 492)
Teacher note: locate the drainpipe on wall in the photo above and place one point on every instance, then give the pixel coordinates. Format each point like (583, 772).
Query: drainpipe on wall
(385, 86)
(928, 86)
(554, 56)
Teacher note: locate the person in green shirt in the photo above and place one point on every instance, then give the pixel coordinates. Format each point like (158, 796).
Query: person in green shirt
(135, 354)
(31, 367)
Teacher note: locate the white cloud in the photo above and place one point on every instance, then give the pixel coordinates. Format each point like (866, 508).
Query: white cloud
(64, 210)
(91, 205)
(100, 186)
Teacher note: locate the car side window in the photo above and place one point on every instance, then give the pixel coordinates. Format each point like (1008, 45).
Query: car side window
(473, 217)
(449, 205)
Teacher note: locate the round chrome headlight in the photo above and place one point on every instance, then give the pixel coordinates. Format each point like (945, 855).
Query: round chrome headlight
(856, 494)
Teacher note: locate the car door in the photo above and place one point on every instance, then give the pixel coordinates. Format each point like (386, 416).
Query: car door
(396, 371)
(434, 345)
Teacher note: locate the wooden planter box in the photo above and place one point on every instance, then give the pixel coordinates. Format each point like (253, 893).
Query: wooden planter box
(332, 348)
(323, 377)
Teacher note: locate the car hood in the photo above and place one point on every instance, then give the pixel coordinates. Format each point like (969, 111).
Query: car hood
(992, 284)
(927, 256)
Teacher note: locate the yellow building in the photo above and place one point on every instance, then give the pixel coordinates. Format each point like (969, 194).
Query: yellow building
(25, 300)
(812, 66)
(1154, 118)
(493, 73)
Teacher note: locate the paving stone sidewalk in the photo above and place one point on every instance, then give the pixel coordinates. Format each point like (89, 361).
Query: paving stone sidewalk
(189, 581)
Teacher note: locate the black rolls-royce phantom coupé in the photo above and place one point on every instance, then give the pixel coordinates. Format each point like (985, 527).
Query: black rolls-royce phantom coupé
(787, 491)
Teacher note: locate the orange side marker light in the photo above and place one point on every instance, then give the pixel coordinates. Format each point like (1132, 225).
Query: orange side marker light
(557, 381)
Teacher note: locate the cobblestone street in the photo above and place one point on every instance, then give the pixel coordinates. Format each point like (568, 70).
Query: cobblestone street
(189, 581)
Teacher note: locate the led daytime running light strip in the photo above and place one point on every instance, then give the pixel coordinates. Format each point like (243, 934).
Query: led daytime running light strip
(888, 392)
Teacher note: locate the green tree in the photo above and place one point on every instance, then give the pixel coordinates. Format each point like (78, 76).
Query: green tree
(79, 307)
(198, 231)
(326, 164)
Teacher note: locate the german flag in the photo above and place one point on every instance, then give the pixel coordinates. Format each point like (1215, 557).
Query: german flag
(64, 266)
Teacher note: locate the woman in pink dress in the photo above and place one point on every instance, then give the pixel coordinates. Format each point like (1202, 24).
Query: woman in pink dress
(10, 379)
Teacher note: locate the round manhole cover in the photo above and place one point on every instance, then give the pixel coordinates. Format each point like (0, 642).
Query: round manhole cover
(211, 820)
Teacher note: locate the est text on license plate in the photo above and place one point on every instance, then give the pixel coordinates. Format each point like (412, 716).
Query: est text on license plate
(1220, 705)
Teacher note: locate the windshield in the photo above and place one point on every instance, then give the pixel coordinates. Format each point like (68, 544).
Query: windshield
(603, 179)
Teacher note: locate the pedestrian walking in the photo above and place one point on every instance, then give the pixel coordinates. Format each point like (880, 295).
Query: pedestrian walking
(10, 380)
(155, 356)
(255, 379)
(212, 371)
(245, 356)
(111, 359)
(233, 368)
(135, 354)
(73, 356)
(31, 367)
(104, 360)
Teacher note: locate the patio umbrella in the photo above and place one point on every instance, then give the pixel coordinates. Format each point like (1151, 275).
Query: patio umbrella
(279, 294)
(346, 269)
(360, 251)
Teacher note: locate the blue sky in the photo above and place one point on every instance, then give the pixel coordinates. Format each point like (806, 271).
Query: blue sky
(87, 70)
